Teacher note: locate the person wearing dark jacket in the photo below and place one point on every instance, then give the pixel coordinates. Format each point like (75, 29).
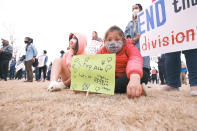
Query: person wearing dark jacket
(5, 56)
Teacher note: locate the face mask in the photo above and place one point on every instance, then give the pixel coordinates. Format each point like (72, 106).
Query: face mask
(114, 46)
(135, 11)
(73, 42)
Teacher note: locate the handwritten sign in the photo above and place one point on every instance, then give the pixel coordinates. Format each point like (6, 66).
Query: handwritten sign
(94, 46)
(168, 26)
(93, 73)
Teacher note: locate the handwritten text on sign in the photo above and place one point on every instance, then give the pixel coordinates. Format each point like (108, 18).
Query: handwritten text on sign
(93, 73)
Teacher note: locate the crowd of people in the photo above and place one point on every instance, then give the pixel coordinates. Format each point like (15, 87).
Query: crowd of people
(132, 71)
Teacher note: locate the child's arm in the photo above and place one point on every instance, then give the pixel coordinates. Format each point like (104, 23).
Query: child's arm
(134, 88)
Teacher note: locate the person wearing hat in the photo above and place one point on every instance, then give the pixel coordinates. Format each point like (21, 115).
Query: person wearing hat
(5, 56)
(31, 53)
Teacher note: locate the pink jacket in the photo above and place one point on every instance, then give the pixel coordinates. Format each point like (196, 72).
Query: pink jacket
(82, 43)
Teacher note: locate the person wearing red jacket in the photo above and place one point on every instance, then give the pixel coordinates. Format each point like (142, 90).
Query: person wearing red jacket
(129, 62)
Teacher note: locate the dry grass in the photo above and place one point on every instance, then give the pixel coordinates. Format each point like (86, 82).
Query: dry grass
(28, 106)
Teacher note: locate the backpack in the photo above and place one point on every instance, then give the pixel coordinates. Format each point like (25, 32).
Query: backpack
(35, 64)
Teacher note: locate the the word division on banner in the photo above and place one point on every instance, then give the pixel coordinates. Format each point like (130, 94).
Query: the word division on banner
(168, 26)
(93, 73)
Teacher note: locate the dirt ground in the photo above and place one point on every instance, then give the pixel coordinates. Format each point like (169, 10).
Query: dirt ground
(28, 106)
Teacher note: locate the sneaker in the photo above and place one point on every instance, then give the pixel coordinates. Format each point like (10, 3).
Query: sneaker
(55, 86)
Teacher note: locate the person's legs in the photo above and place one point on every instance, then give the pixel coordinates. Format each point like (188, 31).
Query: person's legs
(191, 62)
(146, 75)
(173, 69)
(27, 71)
(184, 78)
(28, 65)
(121, 84)
(181, 78)
(12, 73)
(39, 74)
(161, 75)
(44, 71)
(56, 69)
(48, 75)
(5, 65)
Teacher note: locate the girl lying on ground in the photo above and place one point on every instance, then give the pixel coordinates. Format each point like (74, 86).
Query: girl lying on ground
(129, 63)
(62, 66)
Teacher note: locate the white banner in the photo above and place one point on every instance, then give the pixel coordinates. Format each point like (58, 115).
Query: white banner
(20, 66)
(168, 26)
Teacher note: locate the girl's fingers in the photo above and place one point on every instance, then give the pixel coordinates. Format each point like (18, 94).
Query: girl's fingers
(128, 92)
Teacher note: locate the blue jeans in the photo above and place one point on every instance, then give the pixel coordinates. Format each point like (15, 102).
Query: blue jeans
(12, 73)
(173, 67)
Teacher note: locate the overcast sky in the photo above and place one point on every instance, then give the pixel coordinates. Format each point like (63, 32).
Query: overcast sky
(49, 22)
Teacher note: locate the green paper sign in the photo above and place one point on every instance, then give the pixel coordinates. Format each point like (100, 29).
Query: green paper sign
(93, 73)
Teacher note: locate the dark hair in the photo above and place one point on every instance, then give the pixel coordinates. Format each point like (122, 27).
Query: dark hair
(128, 36)
(76, 48)
(140, 6)
(95, 38)
(70, 36)
(62, 51)
(115, 28)
(45, 51)
(30, 40)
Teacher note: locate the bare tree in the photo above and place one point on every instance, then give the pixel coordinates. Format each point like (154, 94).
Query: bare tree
(10, 30)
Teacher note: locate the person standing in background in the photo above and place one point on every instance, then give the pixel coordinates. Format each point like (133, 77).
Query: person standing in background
(31, 54)
(133, 32)
(42, 60)
(5, 56)
(49, 72)
(12, 69)
(154, 75)
(161, 68)
(95, 36)
(183, 73)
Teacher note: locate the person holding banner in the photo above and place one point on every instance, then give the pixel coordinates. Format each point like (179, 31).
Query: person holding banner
(128, 62)
(132, 31)
(62, 67)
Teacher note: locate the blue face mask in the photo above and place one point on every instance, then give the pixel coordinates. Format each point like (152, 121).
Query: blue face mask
(114, 46)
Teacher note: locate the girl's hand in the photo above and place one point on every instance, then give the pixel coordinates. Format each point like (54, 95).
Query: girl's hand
(134, 88)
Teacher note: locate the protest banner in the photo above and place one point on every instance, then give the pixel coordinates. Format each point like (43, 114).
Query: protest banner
(168, 26)
(93, 73)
